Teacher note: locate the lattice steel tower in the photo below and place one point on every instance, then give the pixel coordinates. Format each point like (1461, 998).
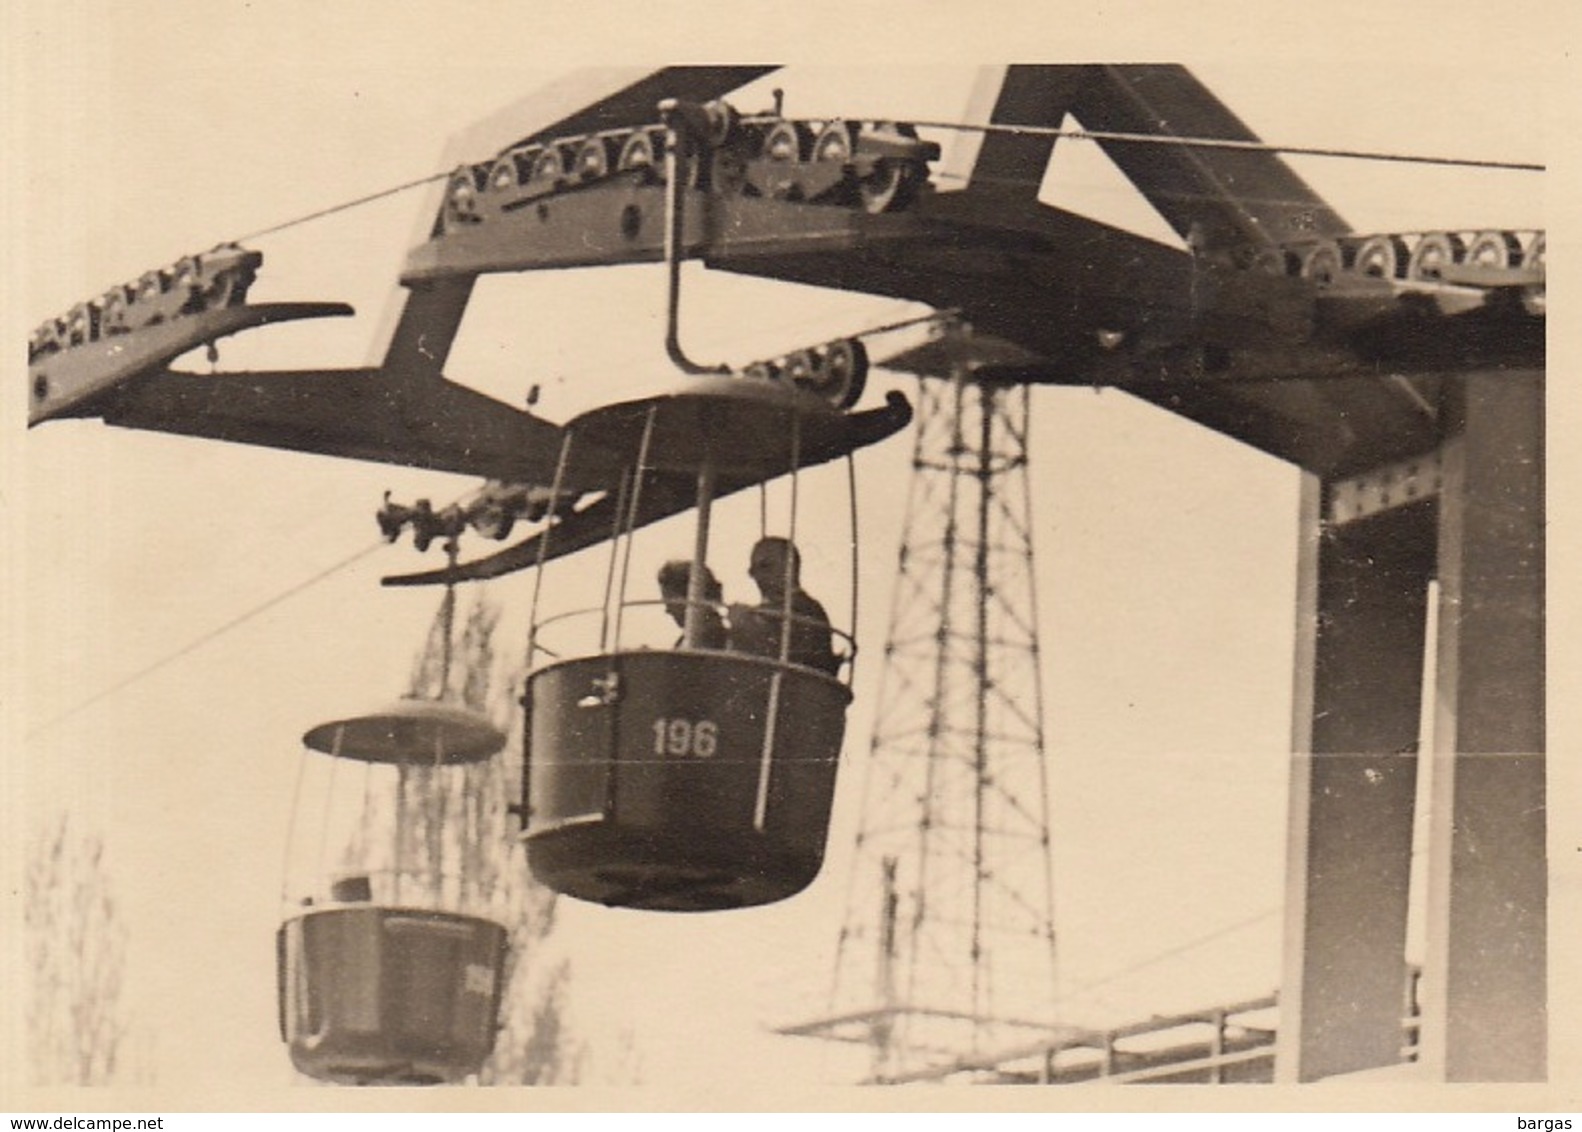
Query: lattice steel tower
(948, 948)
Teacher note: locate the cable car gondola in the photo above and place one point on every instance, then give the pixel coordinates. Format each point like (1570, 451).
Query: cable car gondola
(691, 777)
(388, 973)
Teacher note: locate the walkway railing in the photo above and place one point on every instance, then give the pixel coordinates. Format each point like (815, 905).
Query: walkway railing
(1229, 1044)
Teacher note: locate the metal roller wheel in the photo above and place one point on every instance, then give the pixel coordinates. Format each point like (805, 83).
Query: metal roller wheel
(786, 141)
(833, 148)
(638, 152)
(1433, 253)
(50, 337)
(787, 144)
(43, 341)
(842, 372)
(549, 168)
(1380, 256)
(834, 143)
(79, 325)
(1322, 263)
(502, 177)
(146, 309)
(186, 280)
(801, 369)
(113, 312)
(493, 522)
(1494, 249)
(593, 159)
(461, 200)
(893, 184)
(1535, 252)
(1535, 297)
(185, 274)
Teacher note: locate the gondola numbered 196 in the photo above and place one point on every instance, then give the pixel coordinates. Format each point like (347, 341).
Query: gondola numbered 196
(697, 777)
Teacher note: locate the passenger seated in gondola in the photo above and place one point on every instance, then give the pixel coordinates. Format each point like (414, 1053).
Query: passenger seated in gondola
(775, 566)
(673, 578)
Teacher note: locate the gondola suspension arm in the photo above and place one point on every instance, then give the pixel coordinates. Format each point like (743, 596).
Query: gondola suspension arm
(675, 119)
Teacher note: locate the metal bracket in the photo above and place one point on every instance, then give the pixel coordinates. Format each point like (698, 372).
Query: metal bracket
(1383, 488)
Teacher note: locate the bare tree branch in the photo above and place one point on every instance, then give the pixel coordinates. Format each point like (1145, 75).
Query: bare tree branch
(77, 1020)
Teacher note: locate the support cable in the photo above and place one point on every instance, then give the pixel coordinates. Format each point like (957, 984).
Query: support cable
(1172, 952)
(344, 206)
(1191, 142)
(201, 640)
(210, 635)
(1039, 131)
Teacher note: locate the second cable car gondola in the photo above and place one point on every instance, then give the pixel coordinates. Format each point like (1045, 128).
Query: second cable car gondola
(390, 971)
(694, 777)
(385, 977)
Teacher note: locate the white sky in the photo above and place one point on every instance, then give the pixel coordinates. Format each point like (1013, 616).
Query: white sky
(1167, 554)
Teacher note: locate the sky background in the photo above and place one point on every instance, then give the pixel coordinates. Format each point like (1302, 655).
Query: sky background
(1166, 553)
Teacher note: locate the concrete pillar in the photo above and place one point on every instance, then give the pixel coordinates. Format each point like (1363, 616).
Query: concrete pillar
(1484, 985)
(1362, 602)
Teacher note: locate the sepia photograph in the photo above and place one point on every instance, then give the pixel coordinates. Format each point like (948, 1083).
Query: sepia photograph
(558, 563)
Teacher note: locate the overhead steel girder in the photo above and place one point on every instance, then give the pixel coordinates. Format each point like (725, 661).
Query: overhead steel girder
(78, 382)
(360, 414)
(1244, 195)
(1053, 279)
(1334, 380)
(1218, 197)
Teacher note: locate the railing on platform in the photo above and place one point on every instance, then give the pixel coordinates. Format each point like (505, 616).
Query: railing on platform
(1230, 1044)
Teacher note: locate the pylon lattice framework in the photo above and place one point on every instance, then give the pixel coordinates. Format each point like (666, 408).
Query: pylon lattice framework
(948, 947)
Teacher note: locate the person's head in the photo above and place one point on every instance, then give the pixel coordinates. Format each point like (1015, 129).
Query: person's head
(773, 565)
(673, 579)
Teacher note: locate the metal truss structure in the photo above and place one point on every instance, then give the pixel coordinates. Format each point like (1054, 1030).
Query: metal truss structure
(958, 957)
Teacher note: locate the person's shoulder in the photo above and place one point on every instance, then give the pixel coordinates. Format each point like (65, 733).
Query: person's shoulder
(810, 603)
